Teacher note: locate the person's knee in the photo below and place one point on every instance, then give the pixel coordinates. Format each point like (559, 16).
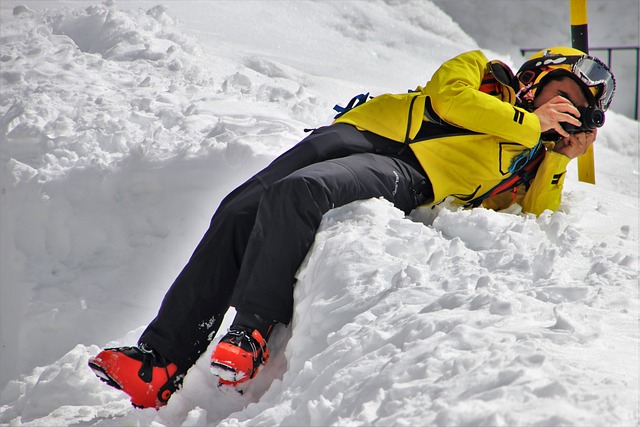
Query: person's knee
(299, 192)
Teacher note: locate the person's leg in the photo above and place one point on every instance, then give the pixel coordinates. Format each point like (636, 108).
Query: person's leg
(194, 306)
(288, 217)
(290, 212)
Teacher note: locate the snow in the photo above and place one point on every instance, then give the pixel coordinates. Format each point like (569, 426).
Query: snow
(125, 123)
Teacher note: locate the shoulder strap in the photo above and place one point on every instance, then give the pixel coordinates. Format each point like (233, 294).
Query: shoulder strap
(355, 101)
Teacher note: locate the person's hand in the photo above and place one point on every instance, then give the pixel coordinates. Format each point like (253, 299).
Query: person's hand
(556, 110)
(576, 144)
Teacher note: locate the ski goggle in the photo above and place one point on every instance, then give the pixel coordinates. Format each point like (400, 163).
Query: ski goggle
(593, 72)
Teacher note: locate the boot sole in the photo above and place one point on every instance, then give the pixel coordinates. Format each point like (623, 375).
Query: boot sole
(104, 377)
(228, 381)
(227, 373)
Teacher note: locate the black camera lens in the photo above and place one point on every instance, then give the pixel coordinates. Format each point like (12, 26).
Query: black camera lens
(590, 117)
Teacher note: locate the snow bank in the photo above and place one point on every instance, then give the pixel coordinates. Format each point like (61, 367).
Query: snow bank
(91, 88)
(526, 322)
(120, 133)
(470, 321)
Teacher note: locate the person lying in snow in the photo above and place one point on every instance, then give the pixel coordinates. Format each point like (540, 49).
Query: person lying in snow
(475, 132)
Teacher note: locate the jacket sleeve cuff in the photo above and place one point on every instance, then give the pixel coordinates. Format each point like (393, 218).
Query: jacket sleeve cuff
(557, 161)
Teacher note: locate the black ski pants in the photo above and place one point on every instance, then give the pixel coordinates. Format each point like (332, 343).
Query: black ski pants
(262, 231)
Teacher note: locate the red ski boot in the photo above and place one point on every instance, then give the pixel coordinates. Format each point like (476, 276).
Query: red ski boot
(238, 356)
(144, 375)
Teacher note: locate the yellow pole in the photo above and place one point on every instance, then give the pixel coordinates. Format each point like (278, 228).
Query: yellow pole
(580, 40)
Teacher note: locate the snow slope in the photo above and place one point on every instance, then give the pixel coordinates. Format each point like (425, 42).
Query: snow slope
(124, 124)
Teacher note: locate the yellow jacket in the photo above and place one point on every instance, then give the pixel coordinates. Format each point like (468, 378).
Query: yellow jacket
(465, 130)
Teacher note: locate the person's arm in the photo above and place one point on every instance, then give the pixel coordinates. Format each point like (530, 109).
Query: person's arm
(455, 97)
(546, 189)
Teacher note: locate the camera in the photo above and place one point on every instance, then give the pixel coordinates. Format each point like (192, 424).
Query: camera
(590, 117)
